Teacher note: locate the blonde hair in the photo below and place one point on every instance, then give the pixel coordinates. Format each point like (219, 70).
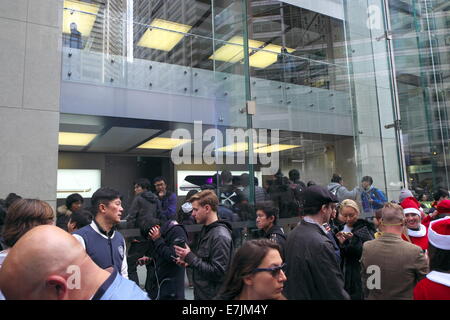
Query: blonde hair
(392, 213)
(349, 203)
(206, 197)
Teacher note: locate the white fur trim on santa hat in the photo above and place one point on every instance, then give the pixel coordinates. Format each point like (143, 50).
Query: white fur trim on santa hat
(439, 277)
(438, 240)
(419, 233)
(411, 210)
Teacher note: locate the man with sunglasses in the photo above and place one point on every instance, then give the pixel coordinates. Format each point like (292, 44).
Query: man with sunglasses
(313, 271)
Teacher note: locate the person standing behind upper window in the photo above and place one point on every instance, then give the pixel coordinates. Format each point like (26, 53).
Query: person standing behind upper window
(168, 199)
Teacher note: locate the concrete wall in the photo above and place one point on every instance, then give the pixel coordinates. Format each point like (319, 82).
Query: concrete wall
(30, 64)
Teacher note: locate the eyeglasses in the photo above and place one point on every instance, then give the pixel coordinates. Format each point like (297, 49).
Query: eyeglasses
(274, 271)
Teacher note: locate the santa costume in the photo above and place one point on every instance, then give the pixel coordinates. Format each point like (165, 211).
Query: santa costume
(436, 285)
(417, 237)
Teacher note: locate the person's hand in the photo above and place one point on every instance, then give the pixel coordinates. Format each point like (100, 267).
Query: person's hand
(343, 236)
(182, 252)
(143, 261)
(181, 262)
(155, 233)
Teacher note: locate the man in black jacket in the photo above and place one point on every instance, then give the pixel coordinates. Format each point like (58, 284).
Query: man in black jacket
(312, 269)
(215, 247)
(143, 214)
(167, 282)
(266, 221)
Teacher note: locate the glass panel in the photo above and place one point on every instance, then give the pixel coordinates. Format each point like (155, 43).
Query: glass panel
(420, 30)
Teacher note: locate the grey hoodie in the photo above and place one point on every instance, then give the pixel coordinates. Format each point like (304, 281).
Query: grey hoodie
(342, 192)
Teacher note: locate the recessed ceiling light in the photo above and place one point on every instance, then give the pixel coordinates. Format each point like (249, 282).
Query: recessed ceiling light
(164, 36)
(276, 148)
(163, 143)
(75, 138)
(239, 147)
(233, 51)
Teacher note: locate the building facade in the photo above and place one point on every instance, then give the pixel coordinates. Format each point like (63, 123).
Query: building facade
(102, 92)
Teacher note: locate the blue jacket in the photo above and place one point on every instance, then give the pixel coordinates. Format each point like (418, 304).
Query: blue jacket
(378, 197)
(117, 287)
(169, 206)
(105, 250)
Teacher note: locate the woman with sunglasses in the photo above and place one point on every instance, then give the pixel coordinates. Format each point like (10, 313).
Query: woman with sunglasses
(256, 273)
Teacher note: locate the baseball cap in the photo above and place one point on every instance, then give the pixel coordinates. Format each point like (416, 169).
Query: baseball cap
(316, 196)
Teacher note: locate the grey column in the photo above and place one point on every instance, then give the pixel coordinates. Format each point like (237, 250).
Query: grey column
(30, 79)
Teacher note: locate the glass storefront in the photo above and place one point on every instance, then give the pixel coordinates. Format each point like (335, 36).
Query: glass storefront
(421, 41)
(308, 85)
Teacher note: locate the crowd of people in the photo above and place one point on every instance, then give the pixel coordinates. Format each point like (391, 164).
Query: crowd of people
(348, 244)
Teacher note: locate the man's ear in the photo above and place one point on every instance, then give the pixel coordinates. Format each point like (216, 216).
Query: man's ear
(271, 219)
(57, 287)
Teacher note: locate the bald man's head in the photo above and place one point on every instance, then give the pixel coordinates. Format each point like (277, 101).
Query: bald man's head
(41, 263)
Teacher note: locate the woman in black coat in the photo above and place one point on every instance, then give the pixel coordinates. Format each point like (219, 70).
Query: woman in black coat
(351, 237)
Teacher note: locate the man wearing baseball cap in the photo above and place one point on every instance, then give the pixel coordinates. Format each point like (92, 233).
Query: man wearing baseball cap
(436, 285)
(312, 269)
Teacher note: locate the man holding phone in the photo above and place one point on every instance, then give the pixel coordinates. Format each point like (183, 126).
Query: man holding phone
(215, 247)
(167, 283)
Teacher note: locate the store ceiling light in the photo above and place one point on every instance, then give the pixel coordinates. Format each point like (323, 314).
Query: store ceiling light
(269, 55)
(75, 138)
(82, 14)
(239, 147)
(163, 143)
(165, 40)
(233, 52)
(276, 148)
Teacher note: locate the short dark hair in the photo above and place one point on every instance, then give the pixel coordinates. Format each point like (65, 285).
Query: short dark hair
(439, 259)
(269, 209)
(144, 183)
(440, 193)
(294, 175)
(71, 199)
(226, 176)
(336, 178)
(81, 218)
(367, 179)
(310, 183)
(103, 196)
(10, 198)
(160, 178)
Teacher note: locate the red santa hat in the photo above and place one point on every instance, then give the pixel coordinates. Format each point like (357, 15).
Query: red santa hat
(443, 206)
(411, 205)
(439, 233)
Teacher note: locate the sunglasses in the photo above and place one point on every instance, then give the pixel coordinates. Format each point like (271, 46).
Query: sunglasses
(274, 271)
